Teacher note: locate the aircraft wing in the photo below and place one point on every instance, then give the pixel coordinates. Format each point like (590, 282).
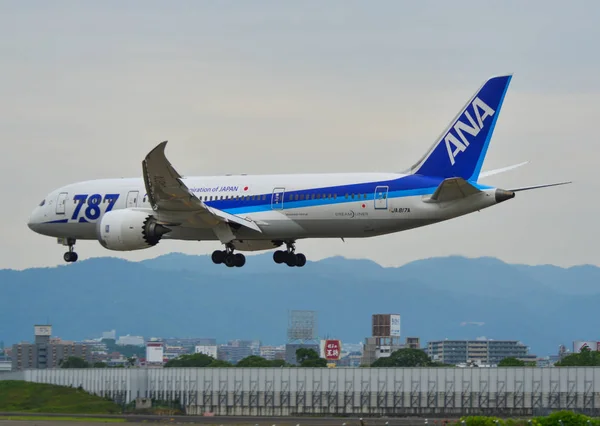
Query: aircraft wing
(167, 193)
(453, 189)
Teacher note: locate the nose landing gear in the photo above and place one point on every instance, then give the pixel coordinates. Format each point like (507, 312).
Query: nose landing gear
(69, 256)
(289, 256)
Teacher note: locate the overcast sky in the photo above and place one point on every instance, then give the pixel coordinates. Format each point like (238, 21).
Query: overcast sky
(88, 88)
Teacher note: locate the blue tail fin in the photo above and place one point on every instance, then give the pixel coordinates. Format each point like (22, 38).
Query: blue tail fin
(461, 149)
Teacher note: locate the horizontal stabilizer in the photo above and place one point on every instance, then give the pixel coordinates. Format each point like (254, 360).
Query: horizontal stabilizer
(502, 170)
(527, 188)
(453, 189)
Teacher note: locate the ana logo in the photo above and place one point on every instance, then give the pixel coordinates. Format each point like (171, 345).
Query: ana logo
(481, 112)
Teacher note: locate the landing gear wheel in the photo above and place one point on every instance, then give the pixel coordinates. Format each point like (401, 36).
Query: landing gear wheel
(290, 259)
(230, 260)
(279, 256)
(240, 260)
(218, 257)
(300, 260)
(289, 256)
(70, 256)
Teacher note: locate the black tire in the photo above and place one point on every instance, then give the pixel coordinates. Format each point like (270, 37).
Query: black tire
(74, 257)
(240, 260)
(300, 260)
(229, 261)
(290, 259)
(279, 256)
(67, 257)
(218, 257)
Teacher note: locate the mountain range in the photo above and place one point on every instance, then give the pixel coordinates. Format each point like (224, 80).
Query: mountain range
(179, 295)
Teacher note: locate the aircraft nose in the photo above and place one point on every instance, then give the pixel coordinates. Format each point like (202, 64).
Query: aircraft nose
(33, 222)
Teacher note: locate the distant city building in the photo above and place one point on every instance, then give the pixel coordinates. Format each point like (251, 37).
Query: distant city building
(253, 345)
(154, 353)
(172, 352)
(592, 345)
(210, 350)
(272, 352)
(413, 343)
(190, 342)
(291, 348)
(352, 359)
(483, 351)
(349, 348)
(385, 339)
(109, 335)
(46, 352)
(5, 363)
(302, 327)
(130, 341)
(233, 353)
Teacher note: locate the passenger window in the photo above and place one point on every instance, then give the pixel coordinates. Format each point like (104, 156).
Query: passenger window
(318, 196)
(264, 197)
(346, 196)
(334, 196)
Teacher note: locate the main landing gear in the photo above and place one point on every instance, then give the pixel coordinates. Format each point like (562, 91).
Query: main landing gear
(289, 256)
(70, 256)
(228, 258)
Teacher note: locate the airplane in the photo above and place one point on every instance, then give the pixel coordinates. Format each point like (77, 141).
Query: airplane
(265, 212)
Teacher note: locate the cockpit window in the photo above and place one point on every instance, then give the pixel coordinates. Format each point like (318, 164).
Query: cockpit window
(42, 203)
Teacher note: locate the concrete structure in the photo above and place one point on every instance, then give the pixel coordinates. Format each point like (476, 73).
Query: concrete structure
(351, 391)
(385, 338)
(478, 351)
(210, 350)
(272, 352)
(291, 348)
(592, 345)
(302, 327)
(46, 352)
(233, 354)
(413, 343)
(154, 353)
(130, 341)
(5, 364)
(109, 335)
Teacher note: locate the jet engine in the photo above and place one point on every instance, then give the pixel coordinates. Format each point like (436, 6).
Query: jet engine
(126, 230)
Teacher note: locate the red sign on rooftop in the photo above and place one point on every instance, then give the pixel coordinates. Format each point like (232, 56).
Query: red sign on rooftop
(333, 350)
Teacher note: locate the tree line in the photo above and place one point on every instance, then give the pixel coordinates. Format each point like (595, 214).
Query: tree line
(406, 357)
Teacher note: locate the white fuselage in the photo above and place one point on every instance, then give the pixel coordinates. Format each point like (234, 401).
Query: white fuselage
(286, 207)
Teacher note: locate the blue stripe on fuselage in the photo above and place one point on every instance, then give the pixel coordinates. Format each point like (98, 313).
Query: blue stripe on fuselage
(58, 221)
(405, 186)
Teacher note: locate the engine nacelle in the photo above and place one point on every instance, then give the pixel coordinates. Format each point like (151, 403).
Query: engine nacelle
(126, 230)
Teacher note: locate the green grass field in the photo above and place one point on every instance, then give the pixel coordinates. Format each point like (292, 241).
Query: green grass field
(26, 397)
